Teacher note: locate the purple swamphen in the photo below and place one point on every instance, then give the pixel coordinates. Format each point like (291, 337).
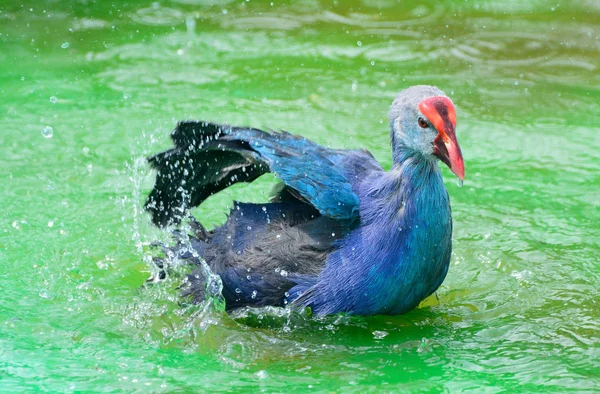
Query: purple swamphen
(340, 234)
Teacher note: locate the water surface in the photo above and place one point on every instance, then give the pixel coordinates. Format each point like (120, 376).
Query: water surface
(89, 89)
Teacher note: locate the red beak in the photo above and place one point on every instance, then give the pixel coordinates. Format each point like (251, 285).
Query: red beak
(442, 115)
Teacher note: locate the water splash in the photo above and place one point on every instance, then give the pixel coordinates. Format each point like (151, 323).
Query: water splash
(424, 346)
(459, 182)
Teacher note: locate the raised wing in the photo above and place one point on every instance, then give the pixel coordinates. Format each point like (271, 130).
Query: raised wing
(209, 157)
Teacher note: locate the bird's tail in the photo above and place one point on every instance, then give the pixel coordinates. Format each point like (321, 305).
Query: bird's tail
(203, 162)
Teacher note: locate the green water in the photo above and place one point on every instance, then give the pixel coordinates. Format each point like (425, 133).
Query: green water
(520, 308)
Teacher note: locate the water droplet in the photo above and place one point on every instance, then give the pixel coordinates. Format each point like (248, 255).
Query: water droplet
(459, 182)
(333, 234)
(248, 277)
(44, 293)
(50, 223)
(53, 99)
(283, 273)
(238, 290)
(249, 228)
(264, 209)
(278, 236)
(254, 293)
(102, 265)
(380, 334)
(64, 45)
(372, 62)
(287, 294)
(180, 52)
(47, 132)
(359, 43)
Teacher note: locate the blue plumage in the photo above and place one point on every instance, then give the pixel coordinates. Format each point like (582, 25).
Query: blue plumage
(340, 234)
(392, 248)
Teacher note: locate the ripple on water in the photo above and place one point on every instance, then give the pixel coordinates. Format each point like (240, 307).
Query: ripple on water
(492, 49)
(158, 16)
(422, 15)
(205, 2)
(82, 24)
(275, 21)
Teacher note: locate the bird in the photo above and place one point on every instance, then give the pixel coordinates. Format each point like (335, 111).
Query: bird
(339, 233)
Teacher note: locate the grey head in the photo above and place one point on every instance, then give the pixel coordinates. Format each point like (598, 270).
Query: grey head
(423, 120)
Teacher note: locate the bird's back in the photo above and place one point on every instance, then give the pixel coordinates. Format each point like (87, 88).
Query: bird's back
(263, 250)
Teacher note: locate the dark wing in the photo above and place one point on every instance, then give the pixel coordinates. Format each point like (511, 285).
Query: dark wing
(209, 157)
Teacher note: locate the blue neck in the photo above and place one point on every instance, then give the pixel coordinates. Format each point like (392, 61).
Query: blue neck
(401, 251)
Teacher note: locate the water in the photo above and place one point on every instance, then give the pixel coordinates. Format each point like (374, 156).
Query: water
(520, 306)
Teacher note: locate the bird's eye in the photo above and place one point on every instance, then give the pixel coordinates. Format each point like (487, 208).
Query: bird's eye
(422, 122)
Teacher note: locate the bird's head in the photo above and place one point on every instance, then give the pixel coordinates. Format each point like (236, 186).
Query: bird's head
(423, 119)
